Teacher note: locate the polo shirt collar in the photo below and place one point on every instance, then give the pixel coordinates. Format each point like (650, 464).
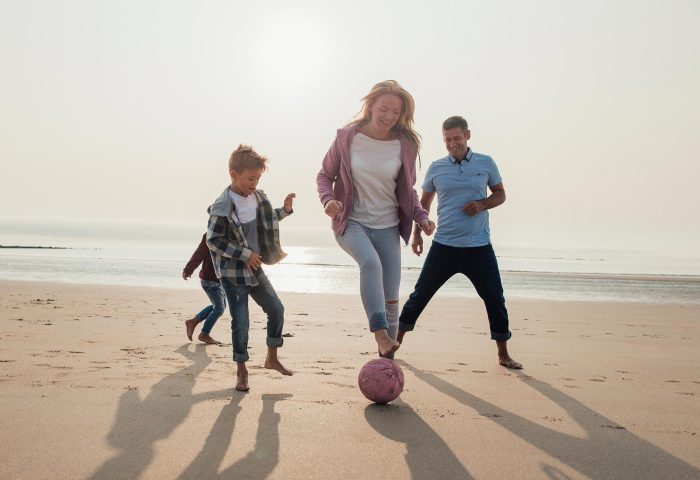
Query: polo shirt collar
(455, 161)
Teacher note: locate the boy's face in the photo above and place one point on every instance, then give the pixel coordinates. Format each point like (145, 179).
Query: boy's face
(244, 183)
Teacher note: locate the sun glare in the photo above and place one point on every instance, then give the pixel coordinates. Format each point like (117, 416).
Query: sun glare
(293, 49)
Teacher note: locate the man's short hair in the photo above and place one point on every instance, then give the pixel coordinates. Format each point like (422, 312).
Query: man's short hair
(455, 122)
(245, 158)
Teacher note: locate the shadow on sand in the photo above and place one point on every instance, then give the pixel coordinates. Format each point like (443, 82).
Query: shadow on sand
(139, 424)
(607, 450)
(427, 455)
(259, 463)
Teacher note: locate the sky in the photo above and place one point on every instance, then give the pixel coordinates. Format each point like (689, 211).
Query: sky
(117, 118)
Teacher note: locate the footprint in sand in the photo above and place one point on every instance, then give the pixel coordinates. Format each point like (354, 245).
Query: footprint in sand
(344, 385)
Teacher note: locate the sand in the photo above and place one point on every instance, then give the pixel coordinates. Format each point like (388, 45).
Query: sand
(101, 382)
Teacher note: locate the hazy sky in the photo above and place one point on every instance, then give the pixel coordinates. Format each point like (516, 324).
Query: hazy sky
(128, 110)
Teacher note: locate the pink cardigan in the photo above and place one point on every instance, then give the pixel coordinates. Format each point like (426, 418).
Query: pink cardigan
(334, 182)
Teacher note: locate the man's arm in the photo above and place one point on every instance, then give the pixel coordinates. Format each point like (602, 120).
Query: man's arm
(426, 200)
(497, 197)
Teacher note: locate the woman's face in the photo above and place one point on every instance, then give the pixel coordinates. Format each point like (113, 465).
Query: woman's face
(385, 112)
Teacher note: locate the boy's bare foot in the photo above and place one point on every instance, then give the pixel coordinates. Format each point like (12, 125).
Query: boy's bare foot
(189, 325)
(386, 344)
(242, 378)
(203, 337)
(275, 364)
(509, 363)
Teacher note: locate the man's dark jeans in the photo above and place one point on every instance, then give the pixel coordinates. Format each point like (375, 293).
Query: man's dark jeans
(479, 265)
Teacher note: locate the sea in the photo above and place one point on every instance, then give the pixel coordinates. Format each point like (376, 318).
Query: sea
(527, 273)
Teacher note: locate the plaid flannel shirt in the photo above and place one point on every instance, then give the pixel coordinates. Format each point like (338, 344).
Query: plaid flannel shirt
(228, 245)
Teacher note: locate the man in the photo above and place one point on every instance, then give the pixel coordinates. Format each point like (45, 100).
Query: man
(462, 243)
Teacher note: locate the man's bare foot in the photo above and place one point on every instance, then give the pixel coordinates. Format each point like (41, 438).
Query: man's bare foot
(203, 337)
(189, 325)
(509, 363)
(399, 337)
(385, 343)
(242, 378)
(275, 364)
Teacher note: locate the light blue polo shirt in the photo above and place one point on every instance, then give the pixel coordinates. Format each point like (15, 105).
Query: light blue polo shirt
(456, 184)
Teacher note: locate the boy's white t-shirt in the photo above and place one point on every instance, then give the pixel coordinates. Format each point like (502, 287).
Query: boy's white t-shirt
(375, 166)
(247, 213)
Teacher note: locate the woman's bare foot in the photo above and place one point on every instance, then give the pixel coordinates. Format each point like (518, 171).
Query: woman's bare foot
(189, 325)
(385, 343)
(242, 378)
(203, 337)
(273, 363)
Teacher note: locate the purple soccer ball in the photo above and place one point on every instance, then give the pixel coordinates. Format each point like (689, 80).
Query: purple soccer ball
(381, 380)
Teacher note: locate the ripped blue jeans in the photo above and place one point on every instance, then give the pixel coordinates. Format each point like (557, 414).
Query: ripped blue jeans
(377, 252)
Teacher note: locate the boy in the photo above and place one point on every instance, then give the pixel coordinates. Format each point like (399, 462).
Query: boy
(243, 233)
(212, 287)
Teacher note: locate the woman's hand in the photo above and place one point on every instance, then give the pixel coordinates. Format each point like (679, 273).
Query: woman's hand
(428, 226)
(333, 208)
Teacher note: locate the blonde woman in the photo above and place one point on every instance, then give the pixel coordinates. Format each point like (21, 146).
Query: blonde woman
(366, 186)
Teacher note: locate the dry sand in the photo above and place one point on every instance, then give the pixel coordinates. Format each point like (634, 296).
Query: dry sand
(101, 382)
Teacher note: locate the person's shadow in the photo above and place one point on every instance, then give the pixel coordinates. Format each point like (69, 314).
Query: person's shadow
(607, 450)
(258, 464)
(139, 424)
(427, 455)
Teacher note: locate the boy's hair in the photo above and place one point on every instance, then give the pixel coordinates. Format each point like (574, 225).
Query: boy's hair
(245, 158)
(455, 122)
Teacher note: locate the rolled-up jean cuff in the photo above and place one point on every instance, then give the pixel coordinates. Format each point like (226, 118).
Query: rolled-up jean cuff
(238, 357)
(406, 327)
(501, 337)
(378, 325)
(275, 342)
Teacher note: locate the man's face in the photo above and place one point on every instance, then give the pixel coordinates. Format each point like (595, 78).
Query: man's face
(456, 142)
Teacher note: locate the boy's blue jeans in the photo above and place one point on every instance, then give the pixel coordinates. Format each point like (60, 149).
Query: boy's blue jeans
(265, 296)
(479, 265)
(212, 312)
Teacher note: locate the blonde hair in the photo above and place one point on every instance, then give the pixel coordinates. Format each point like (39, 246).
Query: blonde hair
(404, 126)
(245, 158)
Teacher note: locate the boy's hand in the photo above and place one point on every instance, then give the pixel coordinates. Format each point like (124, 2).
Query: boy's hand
(186, 275)
(288, 201)
(333, 208)
(254, 261)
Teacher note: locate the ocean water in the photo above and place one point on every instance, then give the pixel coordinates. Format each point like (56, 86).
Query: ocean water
(586, 275)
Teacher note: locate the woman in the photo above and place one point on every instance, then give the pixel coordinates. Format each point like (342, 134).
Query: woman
(366, 187)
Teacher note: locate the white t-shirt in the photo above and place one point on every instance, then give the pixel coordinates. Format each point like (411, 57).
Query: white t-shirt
(247, 212)
(374, 166)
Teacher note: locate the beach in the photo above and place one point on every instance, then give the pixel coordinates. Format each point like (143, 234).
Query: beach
(100, 381)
